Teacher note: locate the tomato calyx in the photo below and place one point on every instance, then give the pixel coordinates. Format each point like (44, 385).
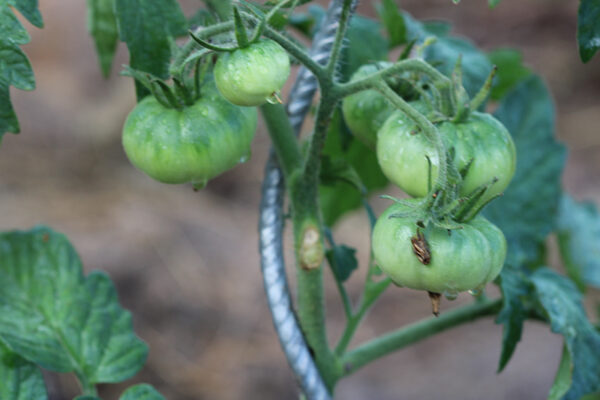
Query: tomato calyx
(444, 207)
(184, 91)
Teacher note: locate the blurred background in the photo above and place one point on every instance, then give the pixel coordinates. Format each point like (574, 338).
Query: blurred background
(186, 263)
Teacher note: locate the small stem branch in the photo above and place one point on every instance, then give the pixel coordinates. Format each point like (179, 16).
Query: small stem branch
(439, 80)
(283, 138)
(339, 36)
(190, 45)
(429, 130)
(410, 334)
(297, 52)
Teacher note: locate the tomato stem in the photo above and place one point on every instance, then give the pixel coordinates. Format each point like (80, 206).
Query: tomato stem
(429, 130)
(416, 332)
(340, 34)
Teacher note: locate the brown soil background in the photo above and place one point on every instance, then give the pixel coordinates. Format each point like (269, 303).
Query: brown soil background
(186, 264)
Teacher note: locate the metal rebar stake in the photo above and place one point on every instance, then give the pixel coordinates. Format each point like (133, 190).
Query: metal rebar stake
(271, 223)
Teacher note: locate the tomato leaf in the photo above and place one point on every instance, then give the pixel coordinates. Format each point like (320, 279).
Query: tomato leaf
(527, 211)
(102, 25)
(393, 20)
(54, 316)
(515, 288)
(141, 392)
(446, 50)
(579, 241)
(563, 304)
(510, 71)
(16, 70)
(366, 45)
(342, 260)
(147, 27)
(19, 378)
(588, 29)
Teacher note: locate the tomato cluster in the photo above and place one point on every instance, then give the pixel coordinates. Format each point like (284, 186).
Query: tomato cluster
(424, 243)
(192, 143)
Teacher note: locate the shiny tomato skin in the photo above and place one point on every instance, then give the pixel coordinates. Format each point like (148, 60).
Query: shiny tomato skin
(402, 151)
(193, 144)
(252, 75)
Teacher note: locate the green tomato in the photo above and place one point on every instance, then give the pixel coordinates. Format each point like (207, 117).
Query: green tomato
(193, 144)
(438, 260)
(366, 111)
(252, 75)
(402, 151)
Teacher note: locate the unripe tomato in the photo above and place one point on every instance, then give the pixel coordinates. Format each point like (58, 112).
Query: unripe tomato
(366, 111)
(438, 260)
(193, 144)
(402, 149)
(252, 75)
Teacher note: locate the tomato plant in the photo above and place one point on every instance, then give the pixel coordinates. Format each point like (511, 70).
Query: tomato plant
(400, 100)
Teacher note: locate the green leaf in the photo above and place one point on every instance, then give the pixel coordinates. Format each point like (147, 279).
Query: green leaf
(222, 8)
(527, 211)
(445, 51)
(579, 241)
(338, 170)
(393, 20)
(588, 28)
(19, 378)
(340, 197)
(148, 26)
(54, 316)
(515, 287)
(510, 71)
(15, 67)
(142, 391)
(366, 45)
(563, 304)
(342, 260)
(102, 25)
(29, 9)
(308, 23)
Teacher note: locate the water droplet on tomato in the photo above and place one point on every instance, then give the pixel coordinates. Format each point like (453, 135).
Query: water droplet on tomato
(450, 295)
(474, 292)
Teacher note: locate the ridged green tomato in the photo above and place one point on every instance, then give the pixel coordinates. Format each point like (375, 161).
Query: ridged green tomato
(435, 259)
(402, 151)
(252, 75)
(366, 111)
(193, 144)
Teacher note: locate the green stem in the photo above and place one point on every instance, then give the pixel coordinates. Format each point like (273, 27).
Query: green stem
(413, 333)
(88, 389)
(191, 45)
(429, 130)
(339, 37)
(297, 52)
(441, 82)
(283, 138)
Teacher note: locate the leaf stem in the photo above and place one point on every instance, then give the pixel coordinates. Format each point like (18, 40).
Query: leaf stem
(418, 331)
(439, 80)
(429, 130)
(339, 36)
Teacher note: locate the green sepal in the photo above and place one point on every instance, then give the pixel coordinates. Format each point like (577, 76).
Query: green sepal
(209, 45)
(241, 36)
(485, 90)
